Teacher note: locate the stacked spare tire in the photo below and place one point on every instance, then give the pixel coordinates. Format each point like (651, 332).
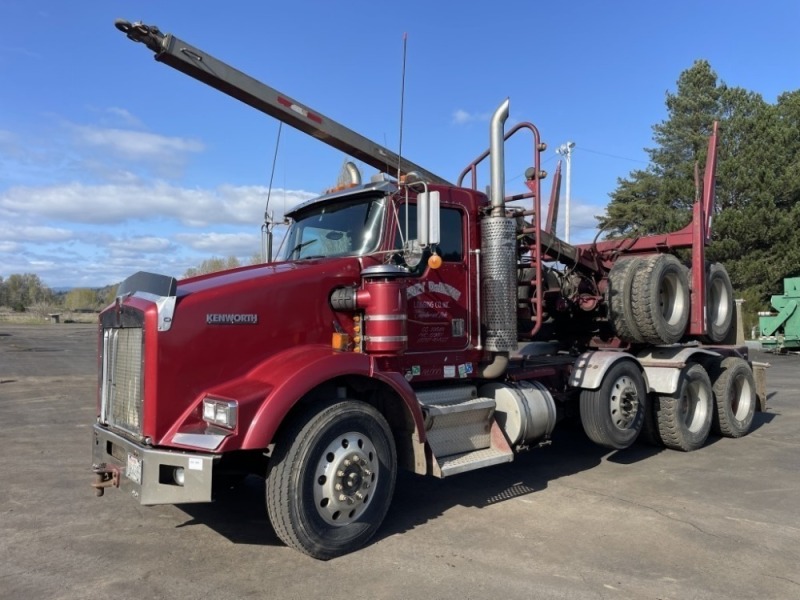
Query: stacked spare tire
(648, 300)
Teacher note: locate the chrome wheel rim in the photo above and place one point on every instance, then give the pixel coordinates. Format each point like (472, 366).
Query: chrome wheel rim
(624, 403)
(742, 398)
(345, 477)
(694, 406)
(671, 298)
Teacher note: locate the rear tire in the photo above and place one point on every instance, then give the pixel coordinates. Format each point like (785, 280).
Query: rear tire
(660, 299)
(684, 419)
(734, 397)
(612, 415)
(331, 480)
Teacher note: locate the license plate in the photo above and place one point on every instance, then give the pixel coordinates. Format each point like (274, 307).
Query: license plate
(134, 469)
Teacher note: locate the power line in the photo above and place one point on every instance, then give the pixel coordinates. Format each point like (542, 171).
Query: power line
(636, 160)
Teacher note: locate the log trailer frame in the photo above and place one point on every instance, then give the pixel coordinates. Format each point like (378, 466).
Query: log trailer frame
(409, 323)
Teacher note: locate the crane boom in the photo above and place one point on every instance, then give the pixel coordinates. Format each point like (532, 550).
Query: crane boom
(202, 66)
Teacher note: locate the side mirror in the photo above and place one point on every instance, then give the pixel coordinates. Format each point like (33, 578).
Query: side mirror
(428, 218)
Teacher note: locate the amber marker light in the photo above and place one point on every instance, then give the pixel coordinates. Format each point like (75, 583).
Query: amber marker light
(435, 261)
(340, 341)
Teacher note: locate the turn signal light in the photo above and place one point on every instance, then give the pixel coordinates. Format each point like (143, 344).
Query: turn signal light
(340, 341)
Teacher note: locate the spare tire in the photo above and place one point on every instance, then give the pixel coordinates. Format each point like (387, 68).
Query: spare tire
(720, 305)
(660, 299)
(618, 298)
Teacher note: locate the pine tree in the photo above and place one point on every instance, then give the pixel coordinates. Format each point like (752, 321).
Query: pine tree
(756, 231)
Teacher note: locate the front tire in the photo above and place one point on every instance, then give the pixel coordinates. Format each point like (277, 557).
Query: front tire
(612, 415)
(331, 480)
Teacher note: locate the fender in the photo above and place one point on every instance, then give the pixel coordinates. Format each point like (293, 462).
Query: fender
(590, 368)
(290, 375)
(663, 365)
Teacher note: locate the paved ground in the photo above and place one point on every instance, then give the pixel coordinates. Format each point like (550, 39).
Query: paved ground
(568, 521)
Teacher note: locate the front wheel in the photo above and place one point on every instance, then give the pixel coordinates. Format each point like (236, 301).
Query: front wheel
(331, 480)
(613, 414)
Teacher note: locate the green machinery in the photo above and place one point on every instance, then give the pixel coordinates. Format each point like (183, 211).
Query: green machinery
(781, 332)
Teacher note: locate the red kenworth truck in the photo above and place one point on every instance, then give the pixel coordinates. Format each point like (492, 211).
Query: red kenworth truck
(408, 323)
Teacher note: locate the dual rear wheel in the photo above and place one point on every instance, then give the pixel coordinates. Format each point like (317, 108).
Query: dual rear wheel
(620, 410)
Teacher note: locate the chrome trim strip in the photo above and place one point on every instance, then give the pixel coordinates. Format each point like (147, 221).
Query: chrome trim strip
(386, 338)
(385, 317)
(206, 441)
(165, 306)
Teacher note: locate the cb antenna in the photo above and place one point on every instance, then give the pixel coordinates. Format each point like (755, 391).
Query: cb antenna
(402, 101)
(269, 222)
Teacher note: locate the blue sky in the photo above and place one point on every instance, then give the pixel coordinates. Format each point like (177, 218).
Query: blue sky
(112, 163)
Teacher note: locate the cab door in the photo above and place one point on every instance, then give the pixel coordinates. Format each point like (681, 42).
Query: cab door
(439, 300)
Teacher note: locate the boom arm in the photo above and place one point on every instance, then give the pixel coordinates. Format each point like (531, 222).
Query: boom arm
(197, 64)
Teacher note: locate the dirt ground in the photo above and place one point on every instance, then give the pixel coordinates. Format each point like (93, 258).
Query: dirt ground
(566, 521)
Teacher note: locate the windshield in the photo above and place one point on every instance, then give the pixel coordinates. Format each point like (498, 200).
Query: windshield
(347, 228)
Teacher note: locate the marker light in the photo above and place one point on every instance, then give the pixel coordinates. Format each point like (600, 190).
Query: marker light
(340, 341)
(435, 261)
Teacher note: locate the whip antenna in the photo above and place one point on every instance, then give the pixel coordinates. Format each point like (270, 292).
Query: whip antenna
(269, 223)
(402, 103)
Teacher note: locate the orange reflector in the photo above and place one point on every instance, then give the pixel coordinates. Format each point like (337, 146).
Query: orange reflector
(435, 261)
(340, 341)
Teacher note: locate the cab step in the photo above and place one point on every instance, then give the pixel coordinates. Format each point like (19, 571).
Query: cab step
(461, 430)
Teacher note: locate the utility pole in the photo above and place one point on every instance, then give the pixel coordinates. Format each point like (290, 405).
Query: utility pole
(565, 150)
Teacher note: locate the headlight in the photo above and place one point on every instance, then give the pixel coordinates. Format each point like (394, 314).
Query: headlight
(220, 412)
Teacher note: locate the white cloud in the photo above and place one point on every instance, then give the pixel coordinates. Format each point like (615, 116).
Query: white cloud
(582, 221)
(124, 115)
(136, 145)
(6, 246)
(142, 243)
(116, 203)
(35, 233)
(462, 117)
(221, 244)
(139, 246)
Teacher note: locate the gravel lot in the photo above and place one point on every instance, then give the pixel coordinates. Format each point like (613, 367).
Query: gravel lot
(567, 521)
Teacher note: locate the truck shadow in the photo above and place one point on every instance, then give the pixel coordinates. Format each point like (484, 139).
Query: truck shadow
(762, 418)
(419, 499)
(239, 513)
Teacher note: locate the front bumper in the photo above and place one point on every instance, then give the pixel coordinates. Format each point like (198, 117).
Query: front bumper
(149, 473)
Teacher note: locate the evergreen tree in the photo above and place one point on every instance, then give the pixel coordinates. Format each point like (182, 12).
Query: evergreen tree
(756, 231)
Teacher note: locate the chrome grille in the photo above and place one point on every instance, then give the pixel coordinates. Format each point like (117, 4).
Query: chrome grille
(122, 379)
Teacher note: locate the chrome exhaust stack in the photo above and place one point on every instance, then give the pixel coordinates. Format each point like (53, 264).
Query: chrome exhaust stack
(497, 159)
(498, 259)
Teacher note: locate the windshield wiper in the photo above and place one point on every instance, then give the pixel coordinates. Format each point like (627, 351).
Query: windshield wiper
(299, 247)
